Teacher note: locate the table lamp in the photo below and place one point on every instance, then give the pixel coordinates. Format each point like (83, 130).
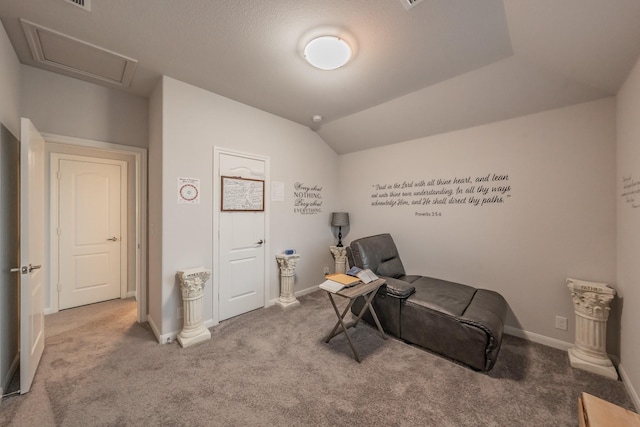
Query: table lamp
(339, 219)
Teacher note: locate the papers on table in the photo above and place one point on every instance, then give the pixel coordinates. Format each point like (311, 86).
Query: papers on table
(338, 281)
(365, 275)
(331, 286)
(343, 279)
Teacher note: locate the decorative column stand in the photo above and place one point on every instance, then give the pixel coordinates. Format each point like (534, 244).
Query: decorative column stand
(591, 304)
(340, 257)
(192, 284)
(287, 264)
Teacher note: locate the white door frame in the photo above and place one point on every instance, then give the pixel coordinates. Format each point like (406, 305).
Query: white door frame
(217, 151)
(140, 225)
(54, 221)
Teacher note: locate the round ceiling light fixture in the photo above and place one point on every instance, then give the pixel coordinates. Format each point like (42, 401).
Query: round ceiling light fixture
(327, 52)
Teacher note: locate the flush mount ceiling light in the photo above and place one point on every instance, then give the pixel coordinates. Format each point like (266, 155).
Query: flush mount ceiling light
(327, 52)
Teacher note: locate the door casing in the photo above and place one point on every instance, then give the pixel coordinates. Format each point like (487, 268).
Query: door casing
(139, 176)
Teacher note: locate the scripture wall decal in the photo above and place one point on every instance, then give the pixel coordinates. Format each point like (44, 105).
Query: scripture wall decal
(428, 194)
(307, 199)
(631, 191)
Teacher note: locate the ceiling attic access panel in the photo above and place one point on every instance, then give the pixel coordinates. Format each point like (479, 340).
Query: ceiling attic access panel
(67, 55)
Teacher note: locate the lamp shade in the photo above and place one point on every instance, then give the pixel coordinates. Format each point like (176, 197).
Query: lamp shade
(340, 219)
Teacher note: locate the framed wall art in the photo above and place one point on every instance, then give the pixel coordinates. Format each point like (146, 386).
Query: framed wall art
(241, 194)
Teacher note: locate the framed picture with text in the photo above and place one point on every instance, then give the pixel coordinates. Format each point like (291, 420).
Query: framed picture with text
(241, 194)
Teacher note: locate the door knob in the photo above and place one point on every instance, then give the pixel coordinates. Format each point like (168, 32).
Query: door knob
(260, 242)
(113, 239)
(25, 270)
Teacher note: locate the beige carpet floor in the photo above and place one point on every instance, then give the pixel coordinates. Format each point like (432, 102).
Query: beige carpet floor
(271, 367)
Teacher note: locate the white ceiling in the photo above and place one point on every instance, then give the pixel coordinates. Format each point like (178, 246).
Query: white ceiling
(440, 66)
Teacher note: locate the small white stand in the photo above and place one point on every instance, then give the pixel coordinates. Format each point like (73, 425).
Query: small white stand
(192, 284)
(591, 305)
(287, 264)
(340, 256)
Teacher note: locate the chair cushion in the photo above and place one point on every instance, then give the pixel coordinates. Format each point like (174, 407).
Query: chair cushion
(440, 295)
(379, 254)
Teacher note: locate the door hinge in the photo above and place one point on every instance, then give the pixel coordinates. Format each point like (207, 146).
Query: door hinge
(59, 287)
(58, 175)
(59, 231)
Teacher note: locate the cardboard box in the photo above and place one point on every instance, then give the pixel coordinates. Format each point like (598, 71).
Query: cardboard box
(595, 412)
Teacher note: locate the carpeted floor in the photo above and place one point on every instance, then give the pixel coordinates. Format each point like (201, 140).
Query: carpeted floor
(271, 367)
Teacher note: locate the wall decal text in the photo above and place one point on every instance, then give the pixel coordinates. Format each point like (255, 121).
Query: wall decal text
(482, 190)
(307, 199)
(631, 191)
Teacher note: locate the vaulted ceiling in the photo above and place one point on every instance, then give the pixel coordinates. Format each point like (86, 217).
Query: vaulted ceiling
(438, 66)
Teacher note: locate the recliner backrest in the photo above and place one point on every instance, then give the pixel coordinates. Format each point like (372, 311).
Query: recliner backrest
(377, 253)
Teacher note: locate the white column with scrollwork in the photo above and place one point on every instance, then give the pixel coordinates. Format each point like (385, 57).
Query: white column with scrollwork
(591, 304)
(340, 257)
(192, 284)
(287, 264)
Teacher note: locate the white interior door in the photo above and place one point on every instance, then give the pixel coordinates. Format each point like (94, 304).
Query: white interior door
(32, 217)
(92, 231)
(241, 245)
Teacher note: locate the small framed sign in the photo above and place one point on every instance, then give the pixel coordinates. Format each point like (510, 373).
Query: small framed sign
(242, 194)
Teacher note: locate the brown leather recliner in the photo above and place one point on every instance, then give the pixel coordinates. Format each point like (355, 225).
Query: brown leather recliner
(457, 321)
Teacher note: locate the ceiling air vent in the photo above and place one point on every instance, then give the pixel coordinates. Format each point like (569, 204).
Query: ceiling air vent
(83, 4)
(408, 4)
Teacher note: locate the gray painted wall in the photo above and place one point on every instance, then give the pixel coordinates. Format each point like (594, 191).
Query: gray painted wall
(628, 182)
(10, 117)
(194, 121)
(556, 220)
(64, 106)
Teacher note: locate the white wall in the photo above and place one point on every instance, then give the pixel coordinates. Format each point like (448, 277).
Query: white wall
(193, 122)
(628, 204)
(154, 267)
(556, 221)
(9, 85)
(64, 106)
(69, 107)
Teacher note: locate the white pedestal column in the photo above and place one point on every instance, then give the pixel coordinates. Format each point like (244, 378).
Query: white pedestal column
(287, 264)
(192, 284)
(340, 257)
(591, 304)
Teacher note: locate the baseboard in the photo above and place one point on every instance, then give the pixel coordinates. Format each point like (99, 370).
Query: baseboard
(297, 294)
(131, 294)
(633, 394)
(537, 338)
(307, 291)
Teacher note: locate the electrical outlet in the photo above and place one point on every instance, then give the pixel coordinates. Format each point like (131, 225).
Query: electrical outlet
(180, 313)
(327, 271)
(561, 323)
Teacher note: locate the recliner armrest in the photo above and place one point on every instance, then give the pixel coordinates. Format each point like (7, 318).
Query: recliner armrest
(398, 288)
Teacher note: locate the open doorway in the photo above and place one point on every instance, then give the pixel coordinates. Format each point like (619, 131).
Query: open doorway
(133, 161)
